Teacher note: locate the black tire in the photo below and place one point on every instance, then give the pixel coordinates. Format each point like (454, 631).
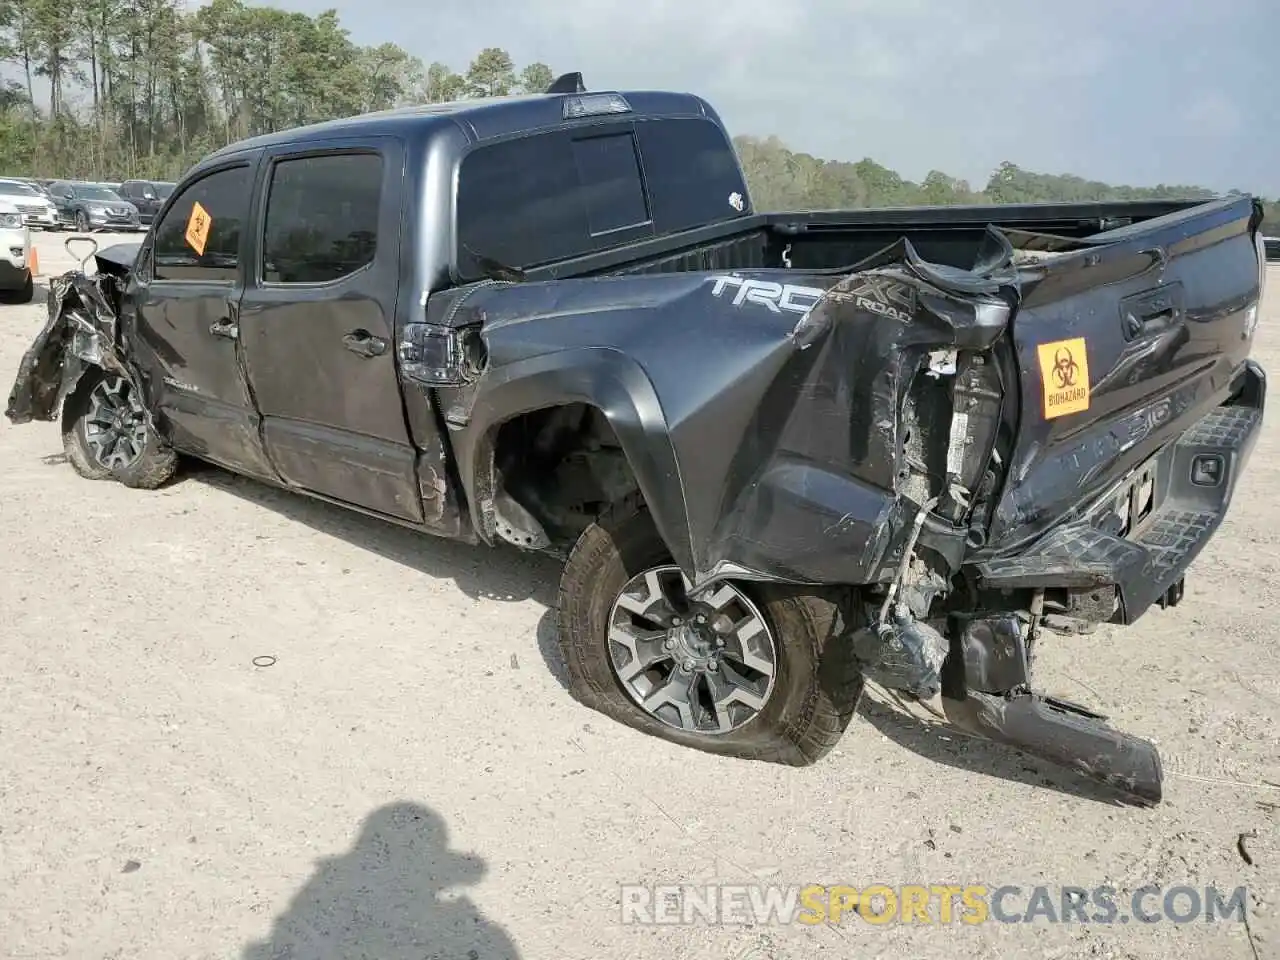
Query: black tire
(817, 685)
(27, 292)
(82, 221)
(156, 464)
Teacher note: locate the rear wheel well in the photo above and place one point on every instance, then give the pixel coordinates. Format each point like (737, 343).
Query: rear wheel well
(560, 467)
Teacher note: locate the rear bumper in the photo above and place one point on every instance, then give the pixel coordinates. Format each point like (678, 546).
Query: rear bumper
(1176, 500)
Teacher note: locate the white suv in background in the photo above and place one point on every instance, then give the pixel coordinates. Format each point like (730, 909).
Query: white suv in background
(36, 208)
(16, 284)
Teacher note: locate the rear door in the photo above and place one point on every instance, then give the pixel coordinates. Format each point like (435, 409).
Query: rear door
(188, 290)
(317, 324)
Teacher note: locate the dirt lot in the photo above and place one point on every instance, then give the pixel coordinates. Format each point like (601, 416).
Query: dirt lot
(410, 778)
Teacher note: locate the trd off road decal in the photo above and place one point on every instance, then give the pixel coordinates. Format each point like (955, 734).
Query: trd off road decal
(765, 293)
(1064, 372)
(882, 296)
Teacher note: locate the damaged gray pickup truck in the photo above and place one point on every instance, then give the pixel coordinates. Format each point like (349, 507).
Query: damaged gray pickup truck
(785, 455)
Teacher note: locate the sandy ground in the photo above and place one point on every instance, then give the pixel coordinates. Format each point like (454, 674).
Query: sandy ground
(410, 778)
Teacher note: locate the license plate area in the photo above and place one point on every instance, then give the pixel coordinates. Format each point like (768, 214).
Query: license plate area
(1132, 505)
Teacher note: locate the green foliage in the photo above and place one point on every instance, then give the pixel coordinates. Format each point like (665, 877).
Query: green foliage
(783, 180)
(144, 88)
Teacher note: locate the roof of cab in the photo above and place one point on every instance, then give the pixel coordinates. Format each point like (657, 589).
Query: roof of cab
(480, 119)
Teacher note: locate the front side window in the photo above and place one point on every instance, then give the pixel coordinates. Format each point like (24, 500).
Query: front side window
(322, 218)
(204, 244)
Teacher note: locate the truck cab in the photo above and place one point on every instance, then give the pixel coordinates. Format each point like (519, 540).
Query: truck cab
(285, 265)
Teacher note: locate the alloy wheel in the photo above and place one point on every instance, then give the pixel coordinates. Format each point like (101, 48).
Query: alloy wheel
(115, 428)
(701, 662)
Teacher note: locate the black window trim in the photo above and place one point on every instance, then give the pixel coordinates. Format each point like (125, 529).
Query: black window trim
(304, 151)
(149, 251)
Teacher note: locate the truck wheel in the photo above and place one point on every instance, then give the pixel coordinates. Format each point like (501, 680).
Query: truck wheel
(756, 672)
(105, 434)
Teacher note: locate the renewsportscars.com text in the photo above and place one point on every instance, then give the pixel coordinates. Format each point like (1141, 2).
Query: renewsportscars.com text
(930, 904)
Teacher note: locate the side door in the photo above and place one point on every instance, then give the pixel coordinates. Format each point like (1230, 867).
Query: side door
(187, 291)
(317, 324)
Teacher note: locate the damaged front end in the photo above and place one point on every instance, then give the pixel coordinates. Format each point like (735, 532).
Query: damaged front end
(82, 330)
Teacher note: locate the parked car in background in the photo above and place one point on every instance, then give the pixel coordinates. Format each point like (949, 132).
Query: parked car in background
(93, 206)
(147, 195)
(16, 284)
(36, 208)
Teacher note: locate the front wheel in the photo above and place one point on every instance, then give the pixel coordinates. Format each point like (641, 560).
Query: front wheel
(106, 434)
(82, 221)
(763, 673)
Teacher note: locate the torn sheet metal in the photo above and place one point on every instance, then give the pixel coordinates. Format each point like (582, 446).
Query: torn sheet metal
(762, 410)
(82, 330)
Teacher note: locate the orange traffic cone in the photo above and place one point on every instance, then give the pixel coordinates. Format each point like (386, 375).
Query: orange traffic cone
(33, 261)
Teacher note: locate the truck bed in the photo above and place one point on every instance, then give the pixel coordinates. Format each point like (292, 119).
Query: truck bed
(831, 239)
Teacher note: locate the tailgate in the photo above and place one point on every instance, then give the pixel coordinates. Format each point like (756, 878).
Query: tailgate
(1122, 347)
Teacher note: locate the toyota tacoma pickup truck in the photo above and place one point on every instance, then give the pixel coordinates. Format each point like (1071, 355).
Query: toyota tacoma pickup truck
(784, 455)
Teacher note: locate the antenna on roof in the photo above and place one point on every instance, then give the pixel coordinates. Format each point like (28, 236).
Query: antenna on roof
(568, 83)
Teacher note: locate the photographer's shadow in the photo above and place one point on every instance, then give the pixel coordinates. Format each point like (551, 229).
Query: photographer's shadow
(384, 899)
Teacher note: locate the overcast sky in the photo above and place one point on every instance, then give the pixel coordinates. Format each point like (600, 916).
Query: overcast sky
(1134, 91)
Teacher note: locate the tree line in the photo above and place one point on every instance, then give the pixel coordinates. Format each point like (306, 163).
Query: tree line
(143, 88)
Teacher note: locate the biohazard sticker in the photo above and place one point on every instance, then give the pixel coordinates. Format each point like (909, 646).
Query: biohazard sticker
(1064, 371)
(198, 226)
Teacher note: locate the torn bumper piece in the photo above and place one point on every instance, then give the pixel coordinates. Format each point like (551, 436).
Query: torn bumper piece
(1065, 734)
(987, 692)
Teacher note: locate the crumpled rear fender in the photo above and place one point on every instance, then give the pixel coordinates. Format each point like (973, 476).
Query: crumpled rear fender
(780, 425)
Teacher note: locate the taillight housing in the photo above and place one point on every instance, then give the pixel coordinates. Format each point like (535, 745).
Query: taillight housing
(1260, 242)
(440, 356)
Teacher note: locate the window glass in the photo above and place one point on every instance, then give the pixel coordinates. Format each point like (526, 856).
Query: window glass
(692, 173)
(322, 217)
(225, 198)
(96, 191)
(610, 178)
(516, 203)
(549, 197)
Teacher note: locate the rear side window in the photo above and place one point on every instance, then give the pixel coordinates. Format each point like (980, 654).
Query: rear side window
(550, 197)
(322, 218)
(692, 173)
(204, 245)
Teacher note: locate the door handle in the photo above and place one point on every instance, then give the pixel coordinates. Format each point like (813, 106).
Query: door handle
(1153, 311)
(365, 344)
(226, 327)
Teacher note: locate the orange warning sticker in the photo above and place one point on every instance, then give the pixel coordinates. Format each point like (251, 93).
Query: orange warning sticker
(1064, 371)
(198, 226)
